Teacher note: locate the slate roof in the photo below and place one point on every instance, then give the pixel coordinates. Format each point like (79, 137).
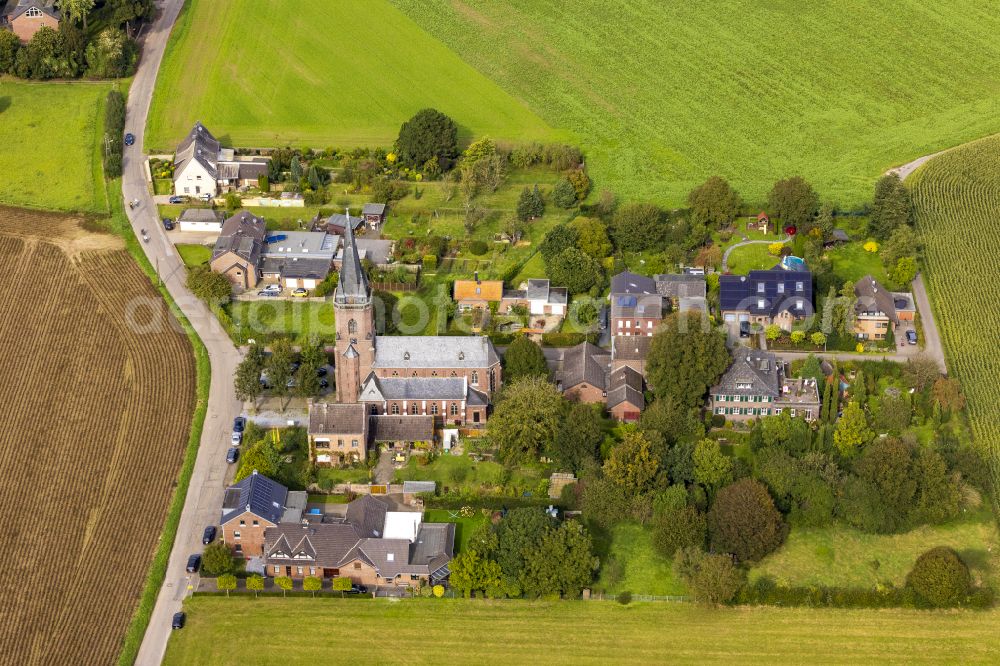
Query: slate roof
(408, 428)
(336, 223)
(583, 363)
(373, 209)
(201, 215)
(873, 297)
(257, 494)
(336, 418)
(375, 250)
(413, 388)
(627, 282)
(754, 368)
(434, 545)
(434, 351)
(625, 385)
(630, 347)
(293, 267)
(320, 542)
(631, 305)
(780, 291)
(242, 234)
(367, 516)
(306, 244)
(198, 145)
(15, 8)
(352, 284)
(680, 285)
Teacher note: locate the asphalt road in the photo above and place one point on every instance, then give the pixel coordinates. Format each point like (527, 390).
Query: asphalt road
(204, 498)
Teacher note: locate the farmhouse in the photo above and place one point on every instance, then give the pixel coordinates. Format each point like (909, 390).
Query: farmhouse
(238, 251)
(251, 506)
(202, 166)
(878, 310)
(755, 385)
(206, 220)
(779, 296)
(587, 373)
(477, 294)
(371, 545)
(26, 17)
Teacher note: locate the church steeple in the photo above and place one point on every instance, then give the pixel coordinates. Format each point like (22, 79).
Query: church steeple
(352, 285)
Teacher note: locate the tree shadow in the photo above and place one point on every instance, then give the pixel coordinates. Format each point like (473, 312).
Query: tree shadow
(4, 103)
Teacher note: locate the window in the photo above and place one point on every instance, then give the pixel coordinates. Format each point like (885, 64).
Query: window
(255, 523)
(760, 303)
(413, 409)
(33, 12)
(649, 324)
(243, 523)
(340, 443)
(798, 286)
(744, 385)
(390, 557)
(793, 412)
(781, 287)
(628, 324)
(809, 414)
(434, 409)
(357, 565)
(719, 410)
(760, 287)
(236, 534)
(620, 323)
(475, 378)
(298, 570)
(322, 443)
(277, 569)
(312, 571)
(454, 409)
(352, 326)
(374, 409)
(354, 443)
(777, 411)
(478, 291)
(187, 190)
(798, 304)
(395, 408)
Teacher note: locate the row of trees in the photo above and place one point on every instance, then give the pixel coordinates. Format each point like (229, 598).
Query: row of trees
(284, 375)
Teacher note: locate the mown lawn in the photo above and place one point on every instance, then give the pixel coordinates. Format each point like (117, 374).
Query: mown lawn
(294, 631)
(301, 321)
(462, 473)
(751, 258)
(665, 94)
(851, 263)
(841, 556)
(51, 153)
(633, 565)
(345, 73)
(464, 526)
(194, 255)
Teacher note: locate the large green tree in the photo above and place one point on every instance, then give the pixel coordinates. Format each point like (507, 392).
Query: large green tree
(891, 207)
(579, 439)
(637, 226)
(743, 521)
(631, 464)
(563, 563)
(710, 579)
(852, 430)
(472, 573)
(593, 237)
(429, 133)
(940, 577)
(678, 528)
(714, 203)
(209, 286)
(527, 417)
(9, 46)
(217, 559)
(793, 201)
(559, 238)
(575, 270)
(712, 468)
(685, 358)
(524, 358)
(247, 380)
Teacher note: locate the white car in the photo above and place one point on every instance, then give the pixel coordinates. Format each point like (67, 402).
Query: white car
(236, 438)
(270, 290)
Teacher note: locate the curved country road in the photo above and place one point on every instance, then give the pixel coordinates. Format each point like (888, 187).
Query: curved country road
(204, 497)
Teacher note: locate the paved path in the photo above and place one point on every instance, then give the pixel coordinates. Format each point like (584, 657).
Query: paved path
(932, 338)
(384, 470)
(725, 255)
(204, 497)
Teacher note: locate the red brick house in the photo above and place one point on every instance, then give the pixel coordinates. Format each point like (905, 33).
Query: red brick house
(26, 17)
(253, 505)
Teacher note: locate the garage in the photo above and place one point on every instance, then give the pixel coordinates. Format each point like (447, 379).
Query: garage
(291, 283)
(730, 317)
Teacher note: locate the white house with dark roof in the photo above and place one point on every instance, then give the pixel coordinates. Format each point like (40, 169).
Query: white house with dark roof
(755, 386)
(202, 166)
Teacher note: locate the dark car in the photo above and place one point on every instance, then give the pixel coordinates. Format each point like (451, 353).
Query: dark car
(358, 589)
(129, 139)
(295, 365)
(239, 424)
(208, 536)
(194, 563)
(178, 621)
(168, 224)
(604, 317)
(176, 199)
(911, 336)
(324, 384)
(321, 371)
(232, 454)
(744, 329)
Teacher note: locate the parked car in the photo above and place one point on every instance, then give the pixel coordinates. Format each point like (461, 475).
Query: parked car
(744, 329)
(321, 371)
(208, 536)
(324, 384)
(270, 290)
(911, 336)
(168, 224)
(605, 311)
(178, 621)
(129, 139)
(207, 196)
(239, 424)
(236, 439)
(301, 292)
(177, 199)
(232, 454)
(358, 589)
(194, 563)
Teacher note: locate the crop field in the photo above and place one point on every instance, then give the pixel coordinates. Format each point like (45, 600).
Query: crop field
(456, 631)
(957, 198)
(50, 157)
(98, 394)
(664, 94)
(343, 74)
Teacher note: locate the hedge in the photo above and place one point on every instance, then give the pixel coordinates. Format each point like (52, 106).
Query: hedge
(766, 592)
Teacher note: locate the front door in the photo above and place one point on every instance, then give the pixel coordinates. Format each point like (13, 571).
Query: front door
(475, 417)
(288, 571)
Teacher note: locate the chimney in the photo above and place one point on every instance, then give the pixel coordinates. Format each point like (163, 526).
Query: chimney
(476, 275)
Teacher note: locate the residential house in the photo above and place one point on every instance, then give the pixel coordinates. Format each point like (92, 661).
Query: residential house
(448, 400)
(684, 291)
(538, 298)
(372, 545)
(296, 259)
(251, 506)
(338, 433)
(581, 373)
(587, 373)
(477, 294)
(202, 166)
(637, 307)
(207, 220)
(26, 17)
(877, 310)
(755, 385)
(625, 400)
(630, 351)
(238, 251)
(776, 296)
(374, 215)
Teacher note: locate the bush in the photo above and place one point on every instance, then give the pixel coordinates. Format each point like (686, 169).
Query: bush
(940, 578)
(682, 528)
(478, 247)
(208, 285)
(427, 135)
(217, 559)
(711, 579)
(430, 261)
(563, 194)
(624, 598)
(114, 128)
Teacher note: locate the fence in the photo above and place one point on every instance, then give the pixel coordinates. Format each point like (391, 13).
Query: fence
(394, 286)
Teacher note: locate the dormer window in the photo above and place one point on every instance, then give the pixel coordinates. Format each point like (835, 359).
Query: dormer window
(461, 356)
(781, 287)
(798, 304)
(744, 386)
(798, 286)
(33, 12)
(478, 291)
(760, 287)
(760, 303)
(406, 356)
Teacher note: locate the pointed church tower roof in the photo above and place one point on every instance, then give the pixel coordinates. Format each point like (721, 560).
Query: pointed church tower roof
(352, 285)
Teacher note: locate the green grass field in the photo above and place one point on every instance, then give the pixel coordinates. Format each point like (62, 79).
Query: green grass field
(957, 196)
(194, 255)
(663, 95)
(840, 556)
(642, 569)
(302, 321)
(326, 74)
(51, 154)
(296, 631)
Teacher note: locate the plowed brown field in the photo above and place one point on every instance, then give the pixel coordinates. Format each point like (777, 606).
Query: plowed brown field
(97, 391)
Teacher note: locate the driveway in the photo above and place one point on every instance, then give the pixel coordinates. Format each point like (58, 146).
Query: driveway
(204, 497)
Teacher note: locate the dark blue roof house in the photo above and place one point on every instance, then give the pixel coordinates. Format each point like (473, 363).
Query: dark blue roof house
(775, 296)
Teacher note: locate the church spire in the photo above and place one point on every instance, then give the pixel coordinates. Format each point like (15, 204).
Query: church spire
(352, 285)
